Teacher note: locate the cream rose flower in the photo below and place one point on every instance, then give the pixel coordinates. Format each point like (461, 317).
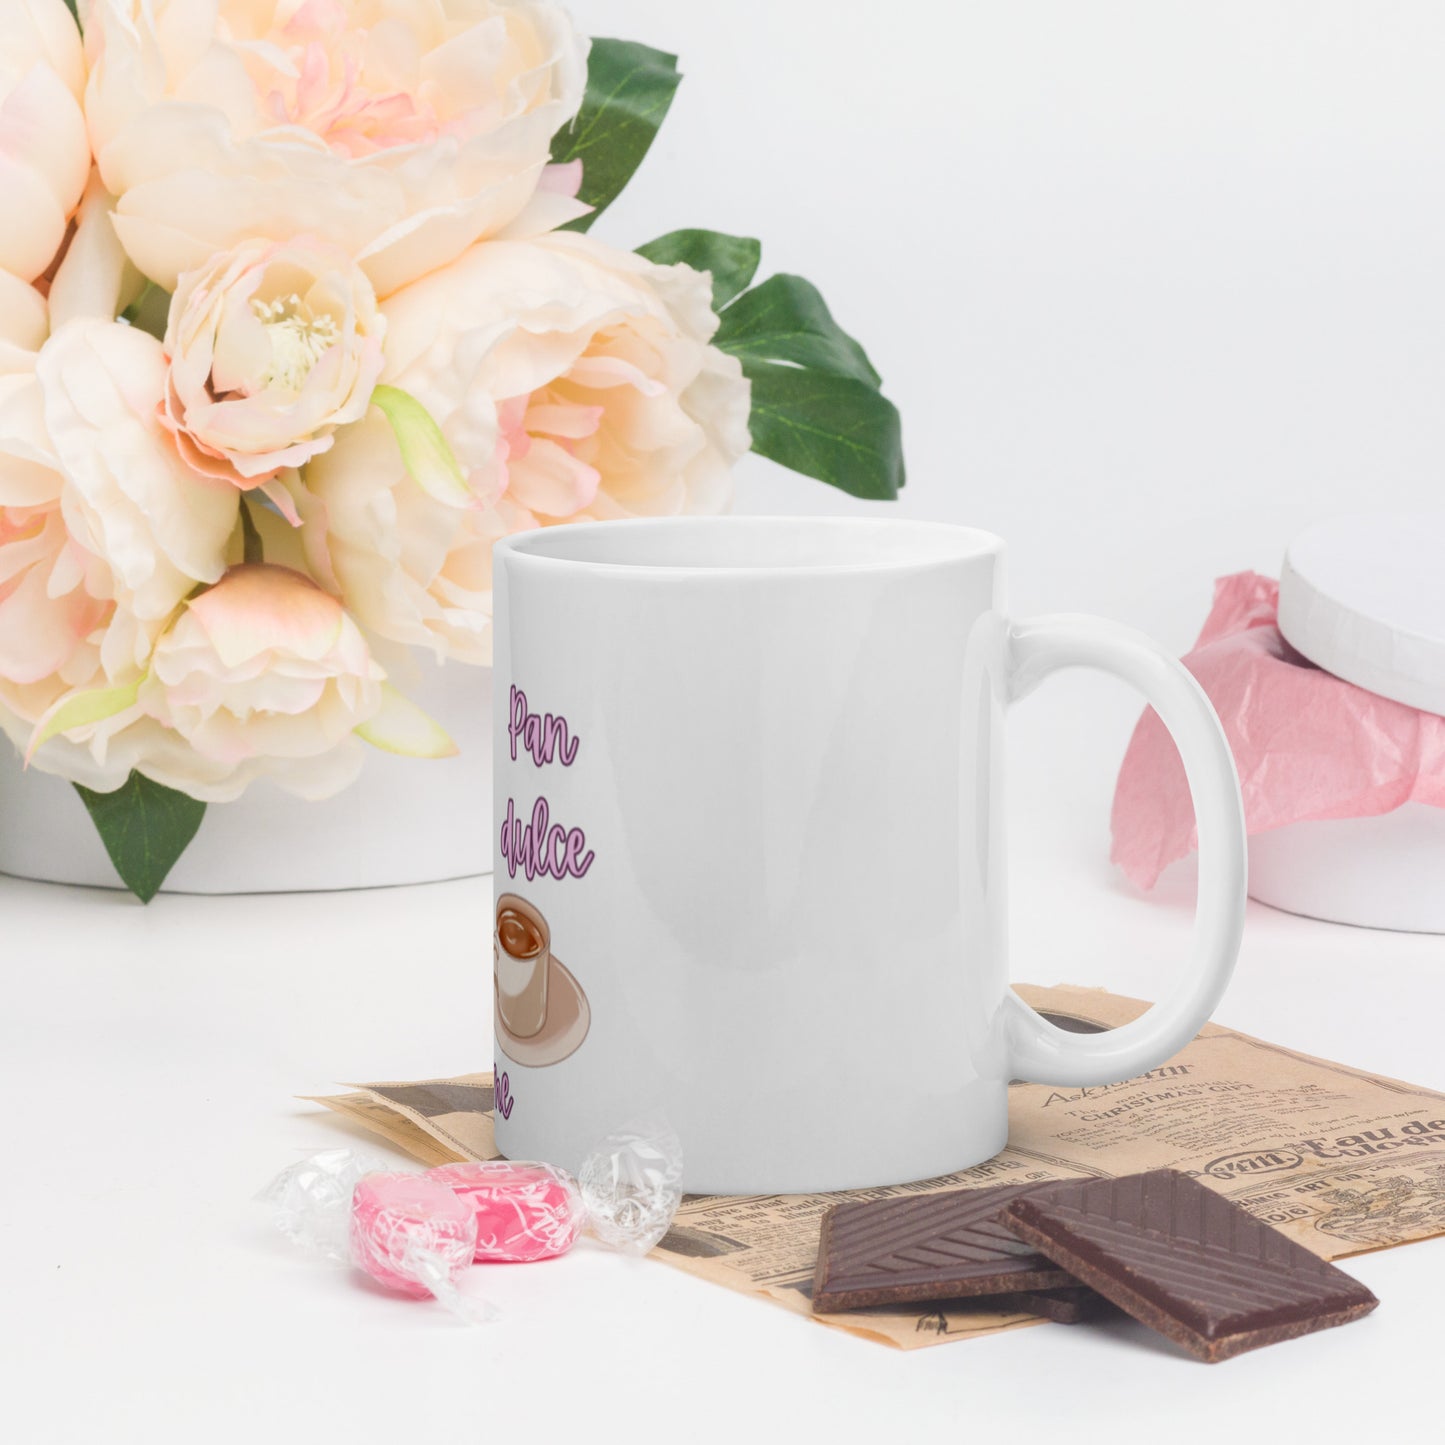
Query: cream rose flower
(572, 381)
(101, 511)
(55, 598)
(272, 346)
(129, 497)
(67, 628)
(44, 153)
(263, 674)
(402, 130)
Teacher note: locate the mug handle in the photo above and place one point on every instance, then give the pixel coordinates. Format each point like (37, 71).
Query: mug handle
(1043, 1053)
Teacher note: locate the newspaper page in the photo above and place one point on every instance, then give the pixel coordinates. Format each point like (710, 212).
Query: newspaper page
(1341, 1160)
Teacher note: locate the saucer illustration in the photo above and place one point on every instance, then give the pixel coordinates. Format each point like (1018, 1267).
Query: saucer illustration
(542, 1014)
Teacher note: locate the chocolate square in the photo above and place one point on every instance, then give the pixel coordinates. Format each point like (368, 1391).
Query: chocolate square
(1187, 1262)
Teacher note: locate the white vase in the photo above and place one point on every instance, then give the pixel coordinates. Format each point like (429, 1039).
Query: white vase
(403, 821)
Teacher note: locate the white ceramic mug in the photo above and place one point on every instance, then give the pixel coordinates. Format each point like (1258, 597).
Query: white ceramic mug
(749, 771)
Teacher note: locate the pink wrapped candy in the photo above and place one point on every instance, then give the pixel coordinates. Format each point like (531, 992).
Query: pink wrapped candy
(416, 1233)
(523, 1212)
(411, 1233)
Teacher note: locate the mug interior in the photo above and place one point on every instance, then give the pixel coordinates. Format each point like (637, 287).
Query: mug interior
(768, 544)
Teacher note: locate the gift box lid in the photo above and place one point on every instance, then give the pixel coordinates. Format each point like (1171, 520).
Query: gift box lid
(1363, 596)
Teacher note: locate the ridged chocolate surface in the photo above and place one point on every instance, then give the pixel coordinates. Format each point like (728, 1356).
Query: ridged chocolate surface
(1186, 1262)
(926, 1247)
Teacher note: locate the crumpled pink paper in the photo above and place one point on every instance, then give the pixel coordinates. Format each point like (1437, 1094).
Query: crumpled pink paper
(1307, 744)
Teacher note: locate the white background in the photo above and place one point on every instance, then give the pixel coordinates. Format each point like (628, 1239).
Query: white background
(1155, 285)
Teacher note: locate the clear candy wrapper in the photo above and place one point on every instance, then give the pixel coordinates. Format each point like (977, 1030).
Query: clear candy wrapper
(310, 1201)
(409, 1234)
(632, 1184)
(415, 1233)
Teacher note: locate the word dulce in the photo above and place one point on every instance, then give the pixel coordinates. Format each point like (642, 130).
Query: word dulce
(539, 847)
(542, 848)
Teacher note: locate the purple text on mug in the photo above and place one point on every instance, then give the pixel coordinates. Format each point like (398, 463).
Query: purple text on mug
(542, 848)
(544, 735)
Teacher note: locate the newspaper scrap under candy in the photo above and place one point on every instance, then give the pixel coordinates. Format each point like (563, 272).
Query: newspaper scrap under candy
(1341, 1160)
(1309, 746)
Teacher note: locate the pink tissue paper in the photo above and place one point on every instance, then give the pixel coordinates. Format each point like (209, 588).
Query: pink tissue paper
(1307, 745)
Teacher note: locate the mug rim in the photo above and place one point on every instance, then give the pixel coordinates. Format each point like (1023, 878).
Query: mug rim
(952, 543)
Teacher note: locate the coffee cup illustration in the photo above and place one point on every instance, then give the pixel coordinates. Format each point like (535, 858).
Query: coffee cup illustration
(524, 951)
(542, 1013)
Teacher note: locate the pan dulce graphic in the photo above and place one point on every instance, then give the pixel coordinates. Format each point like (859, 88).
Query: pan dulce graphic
(542, 1014)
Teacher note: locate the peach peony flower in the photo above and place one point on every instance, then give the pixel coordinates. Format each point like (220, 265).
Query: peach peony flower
(403, 130)
(44, 152)
(572, 381)
(272, 346)
(260, 676)
(263, 675)
(129, 497)
(54, 596)
(67, 628)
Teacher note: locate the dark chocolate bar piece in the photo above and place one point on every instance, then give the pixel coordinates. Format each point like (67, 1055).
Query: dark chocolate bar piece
(926, 1247)
(1186, 1262)
(1071, 1305)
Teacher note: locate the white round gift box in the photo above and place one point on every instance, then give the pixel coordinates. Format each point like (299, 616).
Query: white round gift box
(1363, 597)
(405, 820)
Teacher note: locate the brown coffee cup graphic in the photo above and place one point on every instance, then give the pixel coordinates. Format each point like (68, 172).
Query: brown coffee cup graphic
(523, 965)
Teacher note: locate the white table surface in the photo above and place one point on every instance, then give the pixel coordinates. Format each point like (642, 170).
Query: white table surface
(149, 1060)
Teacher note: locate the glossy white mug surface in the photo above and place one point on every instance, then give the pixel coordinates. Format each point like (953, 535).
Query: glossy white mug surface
(749, 771)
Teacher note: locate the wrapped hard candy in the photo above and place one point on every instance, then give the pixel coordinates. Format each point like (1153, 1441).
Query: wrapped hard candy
(416, 1233)
(411, 1233)
(407, 1232)
(523, 1212)
(626, 1197)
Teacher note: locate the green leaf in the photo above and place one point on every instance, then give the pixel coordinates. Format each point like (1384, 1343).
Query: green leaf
(428, 458)
(786, 319)
(731, 260)
(145, 829)
(150, 311)
(629, 90)
(73, 6)
(835, 428)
